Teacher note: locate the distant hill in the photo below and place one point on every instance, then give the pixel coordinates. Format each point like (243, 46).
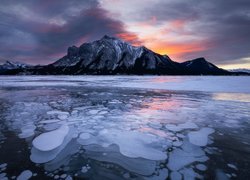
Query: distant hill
(111, 55)
(241, 70)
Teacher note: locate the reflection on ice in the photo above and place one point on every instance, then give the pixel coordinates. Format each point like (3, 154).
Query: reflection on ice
(118, 133)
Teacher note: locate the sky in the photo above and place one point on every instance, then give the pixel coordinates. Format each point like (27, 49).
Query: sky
(40, 31)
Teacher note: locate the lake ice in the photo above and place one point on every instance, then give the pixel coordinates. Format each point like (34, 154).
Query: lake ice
(124, 127)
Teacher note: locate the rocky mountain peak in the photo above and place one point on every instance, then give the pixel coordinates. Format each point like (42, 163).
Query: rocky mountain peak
(111, 55)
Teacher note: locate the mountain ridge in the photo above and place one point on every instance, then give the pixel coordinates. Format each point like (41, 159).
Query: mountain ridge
(110, 55)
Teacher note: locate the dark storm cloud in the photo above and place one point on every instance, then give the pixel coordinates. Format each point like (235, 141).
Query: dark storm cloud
(224, 25)
(40, 31)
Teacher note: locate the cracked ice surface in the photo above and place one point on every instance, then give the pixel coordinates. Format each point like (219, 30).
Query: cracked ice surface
(120, 132)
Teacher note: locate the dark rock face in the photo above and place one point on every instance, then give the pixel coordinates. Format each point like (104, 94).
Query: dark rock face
(110, 55)
(201, 66)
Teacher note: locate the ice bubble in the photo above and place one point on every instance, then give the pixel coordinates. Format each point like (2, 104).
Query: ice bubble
(63, 116)
(49, 121)
(177, 143)
(163, 174)
(84, 169)
(85, 136)
(200, 138)
(232, 166)
(25, 175)
(51, 140)
(180, 158)
(181, 127)
(201, 167)
(68, 178)
(138, 165)
(189, 174)
(3, 165)
(2, 175)
(131, 143)
(38, 156)
(93, 111)
(27, 131)
(221, 175)
(126, 175)
(175, 175)
(56, 112)
(63, 176)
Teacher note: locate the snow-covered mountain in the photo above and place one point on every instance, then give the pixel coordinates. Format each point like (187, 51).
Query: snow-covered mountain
(13, 67)
(111, 55)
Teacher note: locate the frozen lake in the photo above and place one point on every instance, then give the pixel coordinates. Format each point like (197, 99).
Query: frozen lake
(124, 127)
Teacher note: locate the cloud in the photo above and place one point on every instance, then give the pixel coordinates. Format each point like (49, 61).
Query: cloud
(219, 27)
(41, 32)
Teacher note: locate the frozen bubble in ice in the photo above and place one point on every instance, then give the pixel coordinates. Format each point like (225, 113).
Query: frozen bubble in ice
(189, 174)
(58, 155)
(131, 143)
(56, 112)
(138, 165)
(84, 169)
(49, 121)
(62, 116)
(200, 138)
(173, 127)
(221, 175)
(163, 174)
(232, 166)
(68, 178)
(93, 111)
(201, 167)
(51, 140)
(175, 175)
(3, 165)
(181, 127)
(2, 175)
(63, 176)
(27, 131)
(126, 175)
(25, 175)
(180, 158)
(85, 136)
(177, 143)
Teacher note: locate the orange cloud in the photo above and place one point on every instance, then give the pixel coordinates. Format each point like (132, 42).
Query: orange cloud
(129, 37)
(178, 24)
